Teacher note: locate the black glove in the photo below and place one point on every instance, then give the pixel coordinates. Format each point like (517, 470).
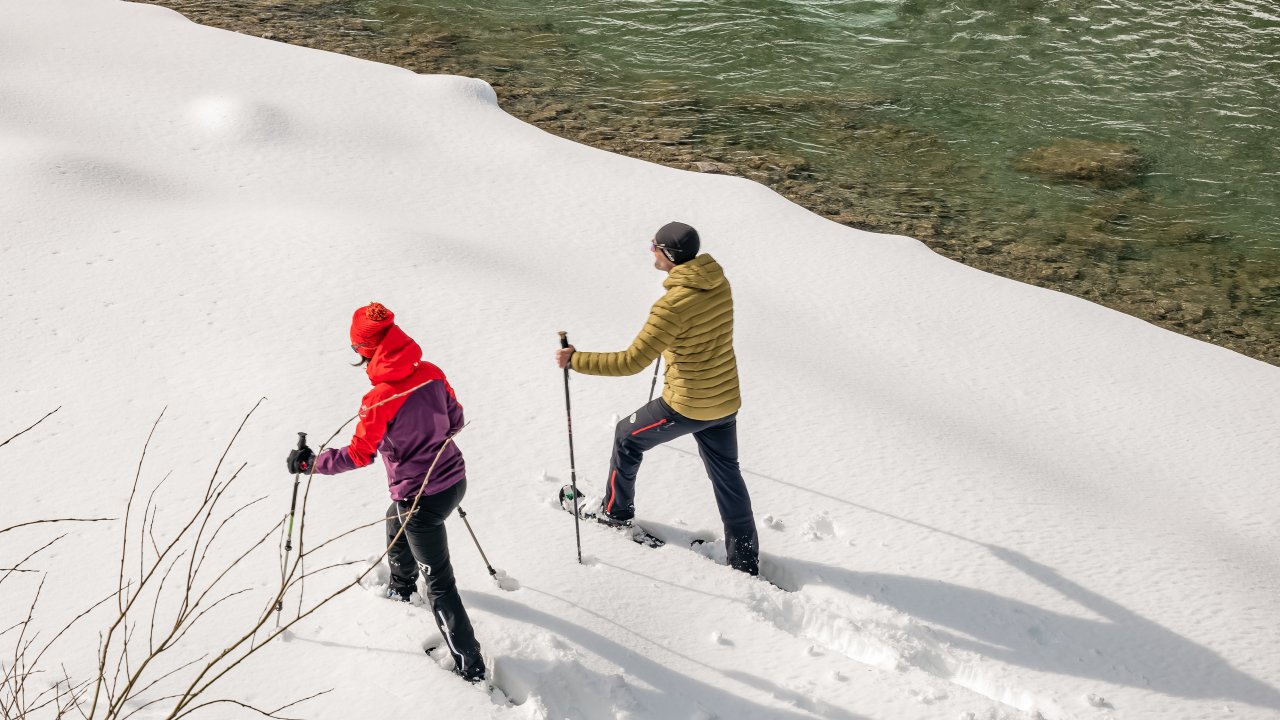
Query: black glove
(301, 459)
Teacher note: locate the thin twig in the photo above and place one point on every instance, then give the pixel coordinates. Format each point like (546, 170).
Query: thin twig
(149, 528)
(20, 647)
(205, 552)
(299, 702)
(354, 530)
(261, 541)
(317, 571)
(202, 613)
(128, 510)
(46, 417)
(204, 511)
(149, 703)
(68, 626)
(23, 561)
(143, 691)
(54, 520)
(229, 444)
(155, 607)
(260, 711)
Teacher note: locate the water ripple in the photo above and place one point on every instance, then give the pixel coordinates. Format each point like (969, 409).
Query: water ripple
(1194, 85)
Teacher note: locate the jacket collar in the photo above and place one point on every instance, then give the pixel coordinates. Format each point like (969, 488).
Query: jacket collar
(700, 273)
(395, 357)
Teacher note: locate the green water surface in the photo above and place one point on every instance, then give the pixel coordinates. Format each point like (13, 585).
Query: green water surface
(939, 99)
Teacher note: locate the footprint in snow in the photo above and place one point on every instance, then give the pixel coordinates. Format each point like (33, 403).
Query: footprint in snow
(819, 528)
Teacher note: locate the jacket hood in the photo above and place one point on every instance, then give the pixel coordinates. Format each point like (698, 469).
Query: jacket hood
(394, 358)
(700, 273)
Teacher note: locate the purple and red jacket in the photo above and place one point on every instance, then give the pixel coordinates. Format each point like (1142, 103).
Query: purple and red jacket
(407, 417)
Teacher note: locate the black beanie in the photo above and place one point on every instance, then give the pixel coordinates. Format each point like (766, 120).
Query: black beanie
(678, 242)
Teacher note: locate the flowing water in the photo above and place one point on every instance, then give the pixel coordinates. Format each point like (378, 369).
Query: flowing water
(927, 117)
(1194, 86)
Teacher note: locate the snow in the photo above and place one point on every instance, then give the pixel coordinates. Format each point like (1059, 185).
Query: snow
(988, 500)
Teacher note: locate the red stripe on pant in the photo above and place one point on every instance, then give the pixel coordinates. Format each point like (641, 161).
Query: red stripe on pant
(612, 492)
(647, 427)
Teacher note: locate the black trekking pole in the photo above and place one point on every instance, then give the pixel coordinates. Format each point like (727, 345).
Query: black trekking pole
(573, 473)
(654, 384)
(288, 539)
(492, 573)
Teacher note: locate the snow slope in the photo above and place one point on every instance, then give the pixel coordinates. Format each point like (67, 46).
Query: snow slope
(990, 500)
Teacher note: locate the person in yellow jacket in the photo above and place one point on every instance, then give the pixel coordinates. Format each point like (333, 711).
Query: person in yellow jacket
(691, 326)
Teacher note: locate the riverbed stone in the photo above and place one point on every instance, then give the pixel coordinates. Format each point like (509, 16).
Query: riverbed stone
(1099, 163)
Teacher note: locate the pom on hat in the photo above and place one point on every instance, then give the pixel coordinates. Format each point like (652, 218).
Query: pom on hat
(368, 326)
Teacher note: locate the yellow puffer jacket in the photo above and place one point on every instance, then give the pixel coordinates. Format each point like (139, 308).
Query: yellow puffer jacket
(692, 326)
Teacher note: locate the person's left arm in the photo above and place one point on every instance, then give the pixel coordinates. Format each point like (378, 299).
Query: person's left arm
(371, 427)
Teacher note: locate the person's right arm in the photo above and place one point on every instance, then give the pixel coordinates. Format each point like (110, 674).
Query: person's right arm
(658, 333)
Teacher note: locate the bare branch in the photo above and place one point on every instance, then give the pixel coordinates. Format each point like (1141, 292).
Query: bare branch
(149, 703)
(24, 560)
(299, 702)
(137, 657)
(155, 608)
(260, 711)
(238, 560)
(54, 520)
(46, 417)
(229, 444)
(148, 528)
(76, 694)
(205, 510)
(202, 613)
(317, 571)
(162, 678)
(68, 626)
(349, 532)
(205, 552)
(128, 510)
(20, 647)
(224, 522)
(35, 705)
(211, 503)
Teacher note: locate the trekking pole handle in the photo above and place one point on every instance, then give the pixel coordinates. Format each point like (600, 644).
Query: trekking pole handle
(564, 339)
(302, 440)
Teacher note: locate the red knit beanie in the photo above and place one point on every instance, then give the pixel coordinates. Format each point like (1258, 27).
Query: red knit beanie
(368, 326)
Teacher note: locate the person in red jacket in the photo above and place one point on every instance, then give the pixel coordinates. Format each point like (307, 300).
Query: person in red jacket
(409, 417)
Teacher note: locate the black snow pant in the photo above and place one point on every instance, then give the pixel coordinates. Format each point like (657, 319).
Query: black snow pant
(656, 423)
(424, 546)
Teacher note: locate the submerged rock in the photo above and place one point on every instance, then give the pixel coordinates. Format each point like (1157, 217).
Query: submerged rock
(1093, 162)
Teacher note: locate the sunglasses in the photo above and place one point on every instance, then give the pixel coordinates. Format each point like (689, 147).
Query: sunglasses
(655, 247)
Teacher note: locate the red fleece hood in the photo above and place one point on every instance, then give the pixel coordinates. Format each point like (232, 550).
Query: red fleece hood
(394, 358)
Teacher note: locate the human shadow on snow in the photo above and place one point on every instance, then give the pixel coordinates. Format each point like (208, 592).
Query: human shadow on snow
(659, 678)
(1122, 648)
